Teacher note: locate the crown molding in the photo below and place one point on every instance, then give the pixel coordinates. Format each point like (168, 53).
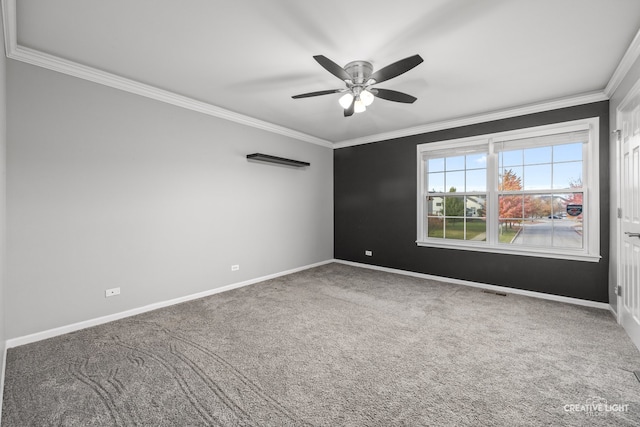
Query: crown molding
(627, 61)
(41, 59)
(44, 60)
(480, 118)
(9, 22)
(54, 63)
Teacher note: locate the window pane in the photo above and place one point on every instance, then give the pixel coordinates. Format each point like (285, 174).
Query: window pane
(454, 206)
(537, 177)
(535, 233)
(435, 227)
(568, 209)
(510, 158)
(510, 179)
(567, 175)
(476, 206)
(435, 183)
(510, 207)
(567, 152)
(529, 205)
(454, 163)
(477, 161)
(558, 206)
(435, 206)
(545, 222)
(537, 206)
(435, 165)
(476, 229)
(533, 156)
(570, 205)
(454, 228)
(508, 230)
(455, 181)
(567, 233)
(477, 180)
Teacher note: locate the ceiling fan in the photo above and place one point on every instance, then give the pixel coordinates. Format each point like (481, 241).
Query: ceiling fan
(359, 79)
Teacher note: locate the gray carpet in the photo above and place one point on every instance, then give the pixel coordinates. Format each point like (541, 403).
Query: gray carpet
(334, 346)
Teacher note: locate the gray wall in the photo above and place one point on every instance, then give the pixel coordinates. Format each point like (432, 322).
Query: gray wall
(3, 145)
(108, 189)
(625, 86)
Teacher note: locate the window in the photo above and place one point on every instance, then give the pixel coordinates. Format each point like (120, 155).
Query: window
(529, 192)
(457, 196)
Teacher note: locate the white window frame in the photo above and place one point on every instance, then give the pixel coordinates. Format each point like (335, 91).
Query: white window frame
(590, 184)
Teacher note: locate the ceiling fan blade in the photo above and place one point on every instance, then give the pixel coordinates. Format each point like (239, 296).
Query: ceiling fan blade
(321, 92)
(348, 112)
(394, 95)
(332, 67)
(395, 69)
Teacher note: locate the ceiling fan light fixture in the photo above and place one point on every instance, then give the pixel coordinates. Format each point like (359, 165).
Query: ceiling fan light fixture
(346, 100)
(366, 97)
(358, 76)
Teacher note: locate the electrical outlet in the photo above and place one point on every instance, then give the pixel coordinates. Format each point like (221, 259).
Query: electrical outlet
(235, 267)
(368, 253)
(111, 292)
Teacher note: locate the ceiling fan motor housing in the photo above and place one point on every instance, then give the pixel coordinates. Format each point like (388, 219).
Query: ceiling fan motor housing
(360, 71)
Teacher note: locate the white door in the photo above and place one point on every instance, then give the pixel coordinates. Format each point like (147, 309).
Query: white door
(629, 302)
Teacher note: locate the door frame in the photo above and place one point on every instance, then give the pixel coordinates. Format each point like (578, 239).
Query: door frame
(617, 135)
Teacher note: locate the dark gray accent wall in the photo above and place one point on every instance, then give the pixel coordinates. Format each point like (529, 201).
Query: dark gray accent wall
(375, 209)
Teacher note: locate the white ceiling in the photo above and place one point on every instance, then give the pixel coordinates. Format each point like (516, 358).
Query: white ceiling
(251, 56)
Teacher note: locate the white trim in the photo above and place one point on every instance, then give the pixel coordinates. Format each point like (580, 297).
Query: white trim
(461, 145)
(511, 250)
(628, 98)
(54, 63)
(540, 295)
(64, 66)
(613, 312)
(9, 21)
(514, 134)
(38, 336)
(4, 368)
(616, 185)
(480, 118)
(542, 131)
(629, 57)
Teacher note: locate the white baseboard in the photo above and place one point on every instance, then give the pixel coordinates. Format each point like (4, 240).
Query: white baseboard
(568, 300)
(4, 365)
(39, 336)
(614, 313)
(50, 333)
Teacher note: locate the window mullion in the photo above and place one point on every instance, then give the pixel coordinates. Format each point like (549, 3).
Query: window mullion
(586, 172)
(492, 199)
(540, 191)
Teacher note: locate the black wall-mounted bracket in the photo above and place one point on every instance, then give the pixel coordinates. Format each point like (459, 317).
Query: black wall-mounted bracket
(278, 160)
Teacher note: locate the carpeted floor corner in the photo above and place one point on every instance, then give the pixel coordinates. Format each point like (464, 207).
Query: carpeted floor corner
(334, 346)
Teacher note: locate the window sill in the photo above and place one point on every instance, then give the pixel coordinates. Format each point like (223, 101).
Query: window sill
(523, 251)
